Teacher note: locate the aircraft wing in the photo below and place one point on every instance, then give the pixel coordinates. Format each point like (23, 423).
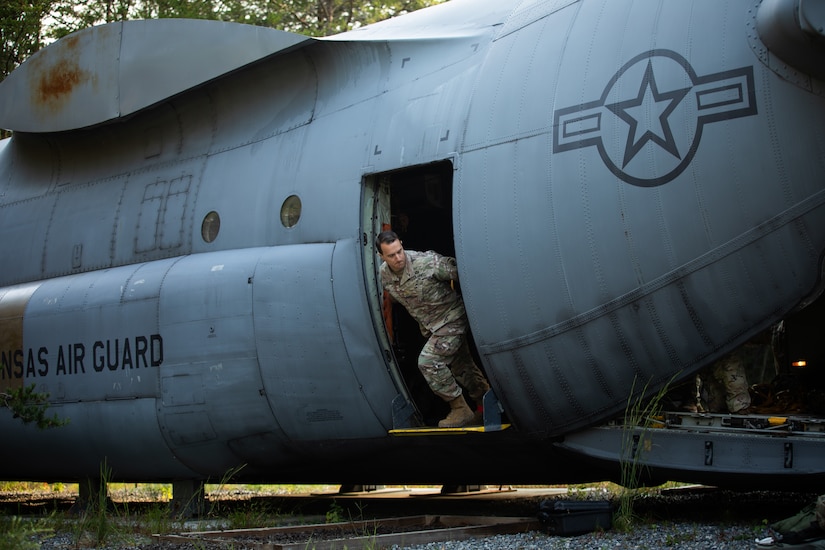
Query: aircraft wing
(112, 71)
(443, 21)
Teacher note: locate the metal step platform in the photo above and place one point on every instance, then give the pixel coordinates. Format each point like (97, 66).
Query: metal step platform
(493, 412)
(435, 430)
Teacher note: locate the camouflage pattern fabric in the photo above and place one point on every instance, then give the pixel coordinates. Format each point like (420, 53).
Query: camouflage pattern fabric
(424, 288)
(728, 384)
(446, 359)
(730, 372)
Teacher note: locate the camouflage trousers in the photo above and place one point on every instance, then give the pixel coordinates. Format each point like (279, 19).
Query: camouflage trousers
(729, 372)
(447, 366)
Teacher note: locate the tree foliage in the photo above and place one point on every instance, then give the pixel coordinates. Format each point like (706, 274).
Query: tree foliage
(325, 17)
(30, 406)
(27, 25)
(21, 30)
(310, 17)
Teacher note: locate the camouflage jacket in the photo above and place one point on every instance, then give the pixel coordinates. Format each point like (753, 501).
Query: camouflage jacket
(425, 289)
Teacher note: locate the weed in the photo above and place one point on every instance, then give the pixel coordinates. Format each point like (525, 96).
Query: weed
(335, 514)
(641, 414)
(157, 520)
(100, 520)
(361, 507)
(372, 543)
(227, 477)
(247, 517)
(17, 533)
(576, 492)
(97, 524)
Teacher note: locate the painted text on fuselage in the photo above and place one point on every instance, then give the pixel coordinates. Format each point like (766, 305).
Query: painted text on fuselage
(80, 358)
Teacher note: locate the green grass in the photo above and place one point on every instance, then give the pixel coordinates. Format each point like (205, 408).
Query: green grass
(131, 512)
(642, 414)
(17, 533)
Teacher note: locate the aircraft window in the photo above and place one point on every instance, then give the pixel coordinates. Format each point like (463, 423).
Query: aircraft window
(291, 211)
(210, 226)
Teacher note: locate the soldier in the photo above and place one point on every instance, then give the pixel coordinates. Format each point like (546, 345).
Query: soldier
(422, 283)
(727, 384)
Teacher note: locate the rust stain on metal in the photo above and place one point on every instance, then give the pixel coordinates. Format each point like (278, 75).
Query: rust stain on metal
(58, 78)
(57, 83)
(13, 304)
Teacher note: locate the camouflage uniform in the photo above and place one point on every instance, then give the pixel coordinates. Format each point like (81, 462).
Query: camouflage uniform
(729, 382)
(424, 288)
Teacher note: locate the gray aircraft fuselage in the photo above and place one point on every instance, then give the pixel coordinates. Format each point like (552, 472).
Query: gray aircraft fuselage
(188, 212)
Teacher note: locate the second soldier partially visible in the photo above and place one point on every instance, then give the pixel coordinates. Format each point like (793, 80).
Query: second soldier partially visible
(422, 283)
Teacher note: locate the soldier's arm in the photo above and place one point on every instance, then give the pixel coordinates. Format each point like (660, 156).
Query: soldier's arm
(445, 268)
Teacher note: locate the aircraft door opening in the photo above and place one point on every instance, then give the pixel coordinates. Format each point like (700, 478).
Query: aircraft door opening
(416, 203)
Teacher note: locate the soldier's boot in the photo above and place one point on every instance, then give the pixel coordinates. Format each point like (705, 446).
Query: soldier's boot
(460, 414)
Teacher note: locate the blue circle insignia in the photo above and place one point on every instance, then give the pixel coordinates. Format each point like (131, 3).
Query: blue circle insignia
(648, 122)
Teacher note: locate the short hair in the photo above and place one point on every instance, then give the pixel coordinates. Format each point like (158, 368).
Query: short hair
(385, 237)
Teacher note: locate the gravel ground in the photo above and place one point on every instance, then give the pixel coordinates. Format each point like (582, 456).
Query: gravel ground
(671, 535)
(722, 520)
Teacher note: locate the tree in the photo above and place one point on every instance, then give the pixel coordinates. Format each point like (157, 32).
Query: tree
(325, 17)
(310, 17)
(26, 26)
(30, 406)
(21, 31)
(68, 16)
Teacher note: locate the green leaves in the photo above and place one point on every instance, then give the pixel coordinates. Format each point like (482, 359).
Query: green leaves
(30, 406)
(51, 19)
(20, 31)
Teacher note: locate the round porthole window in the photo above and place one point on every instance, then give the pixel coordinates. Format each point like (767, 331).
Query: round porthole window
(291, 211)
(210, 226)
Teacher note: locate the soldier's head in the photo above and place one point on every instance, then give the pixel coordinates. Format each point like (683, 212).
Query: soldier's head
(390, 250)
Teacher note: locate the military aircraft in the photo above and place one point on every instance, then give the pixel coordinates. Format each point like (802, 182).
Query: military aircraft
(632, 190)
